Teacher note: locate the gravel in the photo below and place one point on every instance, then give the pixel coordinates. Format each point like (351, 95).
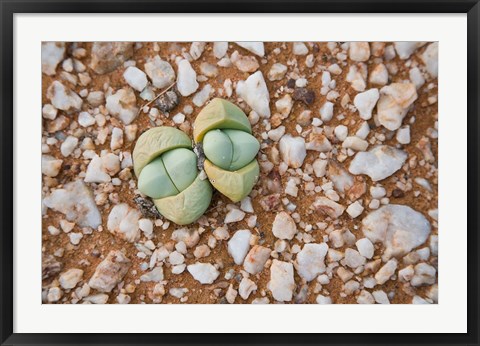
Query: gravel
(345, 209)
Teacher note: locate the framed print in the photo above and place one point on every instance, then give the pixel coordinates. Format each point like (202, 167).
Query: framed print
(192, 172)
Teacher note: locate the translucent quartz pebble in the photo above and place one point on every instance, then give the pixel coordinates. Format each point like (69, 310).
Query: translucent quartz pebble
(155, 182)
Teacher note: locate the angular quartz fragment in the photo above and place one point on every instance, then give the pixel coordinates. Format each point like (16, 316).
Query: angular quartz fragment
(378, 163)
(76, 201)
(398, 227)
(281, 282)
(110, 272)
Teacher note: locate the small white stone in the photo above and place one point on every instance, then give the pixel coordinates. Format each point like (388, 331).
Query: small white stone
(205, 273)
(323, 299)
(406, 48)
(85, 119)
(320, 167)
(293, 150)
(416, 77)
(403, 135)
(196, 49)
(239, 245)
(277, 72)
(406, 274)
(231, 294)
(176, 258)
(63, 98)
(202, 96)
(398, 227)
(100, 298)
(123, 298)
(365, 297)
(178, 118)
(51, 166)
(365, 102)
(136, 78)
(328, 207)
(284, 226)
(326, 111)
(341, 132)
(123, 105)
(220, 49)
(394, 103)
(187, 78)
(52, 54)
(354, 209)
(160, 72)
(256, 258)
(291, 188)
(365, 248)
(310, 261)
(117, 138)
(299, 48)
(281, 282)
(430, 59)
(155, 275)
(380, 297)
(234, 215)
(353, 258)
(284, 105)
(75, 200)
(424, 275)
(110, 272)
(357, 78)
(385, 273)
(123, 221)
(95, 172)
(255, 93)
(355, 143)
(75, 238)
(379, 75)
(146, 226)
(256, 48)
(49, 112)
(359, 51)
(70, 278)
(54, 294)
(378, 163)
(246, 205)
(246, 287)
(68, 146)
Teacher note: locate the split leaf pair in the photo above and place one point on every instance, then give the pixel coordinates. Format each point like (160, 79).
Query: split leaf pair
(166, 166)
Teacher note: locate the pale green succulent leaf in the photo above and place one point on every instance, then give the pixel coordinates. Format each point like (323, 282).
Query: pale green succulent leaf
(219, 114)
(218, 148)
(155, 182)
(245, 148)
(181, 166)
(188, 205)
(235, 185)
(155, 142)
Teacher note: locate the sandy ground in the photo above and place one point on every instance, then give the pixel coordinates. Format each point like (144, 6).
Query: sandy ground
(94, 247)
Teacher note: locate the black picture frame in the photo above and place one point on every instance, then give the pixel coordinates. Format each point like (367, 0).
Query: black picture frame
(9, 7)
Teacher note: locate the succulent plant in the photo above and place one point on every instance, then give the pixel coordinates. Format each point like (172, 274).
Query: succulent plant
(230, 149)
(166, 169)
